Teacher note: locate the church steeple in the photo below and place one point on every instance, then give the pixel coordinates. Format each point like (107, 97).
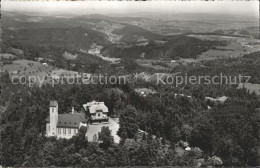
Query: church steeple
(53, 117)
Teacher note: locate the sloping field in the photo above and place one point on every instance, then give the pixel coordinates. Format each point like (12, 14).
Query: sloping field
(237, 46)
(42, 73)
(25, 67)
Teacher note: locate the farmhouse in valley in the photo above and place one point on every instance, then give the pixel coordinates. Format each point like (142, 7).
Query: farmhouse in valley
(97, 112)
(64, 125)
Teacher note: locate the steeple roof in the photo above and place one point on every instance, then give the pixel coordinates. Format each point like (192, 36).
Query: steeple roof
(53, 103)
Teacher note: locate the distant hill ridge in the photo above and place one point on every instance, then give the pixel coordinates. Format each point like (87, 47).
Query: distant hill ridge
(75, 38)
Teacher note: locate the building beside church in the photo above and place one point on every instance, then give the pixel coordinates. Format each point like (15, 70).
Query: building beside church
(64, 125)
(97, 111)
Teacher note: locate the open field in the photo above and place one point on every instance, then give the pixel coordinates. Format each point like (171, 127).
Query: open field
(108, 59)
(215, 54)
(213, 37)
(156, 67)
(148, 64)
(44, 73)
(7, 56)
(155, 64)
(108, 28)
(237, 46)
(63, 72)
(69, 56)
(25, 67)
(95, 50)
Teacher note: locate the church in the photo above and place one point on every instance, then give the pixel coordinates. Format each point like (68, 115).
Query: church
(68, 125)
(64, 125)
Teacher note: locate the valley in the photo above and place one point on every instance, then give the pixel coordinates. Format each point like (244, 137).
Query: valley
(114, 40)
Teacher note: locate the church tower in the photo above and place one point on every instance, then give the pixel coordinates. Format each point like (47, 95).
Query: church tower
(53, 117)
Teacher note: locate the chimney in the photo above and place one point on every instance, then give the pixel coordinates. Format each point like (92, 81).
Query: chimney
(72, 111)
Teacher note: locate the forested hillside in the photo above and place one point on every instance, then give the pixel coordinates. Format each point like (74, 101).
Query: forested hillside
(130, 32)
(229, 131)
(247, 65)
(176, 47)
(71, 38)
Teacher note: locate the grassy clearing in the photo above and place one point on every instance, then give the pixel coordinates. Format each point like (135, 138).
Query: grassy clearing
(237, 47)
(26, 68)
(148, 63)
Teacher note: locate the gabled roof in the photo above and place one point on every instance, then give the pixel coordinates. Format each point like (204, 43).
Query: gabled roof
(89, 104)
(95, 106)
(53, 103)
(98, 107)
(70, 120)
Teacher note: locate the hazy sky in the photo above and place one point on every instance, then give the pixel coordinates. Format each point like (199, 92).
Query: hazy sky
(230, 7)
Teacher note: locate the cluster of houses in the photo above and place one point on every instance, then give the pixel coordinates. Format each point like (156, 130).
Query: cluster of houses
(68, 125)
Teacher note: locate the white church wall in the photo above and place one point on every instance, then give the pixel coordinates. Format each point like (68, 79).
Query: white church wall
(66, 132)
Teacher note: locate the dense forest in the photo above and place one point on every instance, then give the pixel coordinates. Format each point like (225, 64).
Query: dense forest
(131, 32)
(70, 38)
(228, 130)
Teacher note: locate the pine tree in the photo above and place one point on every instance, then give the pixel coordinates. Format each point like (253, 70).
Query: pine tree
(127, 122)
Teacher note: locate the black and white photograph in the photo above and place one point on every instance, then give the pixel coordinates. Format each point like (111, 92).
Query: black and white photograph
(96, 84)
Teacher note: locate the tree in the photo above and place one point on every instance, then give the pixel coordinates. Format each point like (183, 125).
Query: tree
(202, 135)
(156, 123)
(198, 93)
(106, 137)
(80, 141)
(131, 65)
(49, 153)
(186, 131)
(127, 122)
(12, 149)
(5, 78)
(93, 67)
